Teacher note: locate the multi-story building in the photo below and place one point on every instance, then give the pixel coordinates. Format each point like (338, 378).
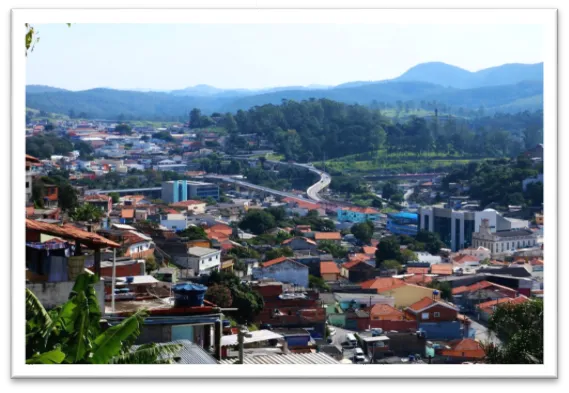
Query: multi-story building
(181, 190)
(455, 228)
(503, 242)
(357, 214)
(204, 260)
(403, 223)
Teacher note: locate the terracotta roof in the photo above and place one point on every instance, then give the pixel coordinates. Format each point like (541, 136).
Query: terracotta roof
(97, 197)
(32, 158)
(70, 232)
(302, 204)
(329, 268)
(418, 270)
(465, 258)
(369, 250)
(488, 306)
(383, 284)
(219, 236)
(419, 279)
(421, 304)
(351, 264)
(327, 236)
(226, 229)
(467, 348)
(127, 213)
(441, 268)
(536, 262)
(385, 310)
(310, 241)
(480, 285)
(359, 257)
(275, 261)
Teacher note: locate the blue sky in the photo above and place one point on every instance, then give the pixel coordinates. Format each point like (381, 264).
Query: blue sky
(174, 56)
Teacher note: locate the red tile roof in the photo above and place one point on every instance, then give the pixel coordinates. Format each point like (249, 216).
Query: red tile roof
(351, 264)
(329, 268)
(489, 305)
(478, 286)
(385, 311)
(310, 241)
(97, 197)
(465, 258)
(327, 236)
(466, 348)
(418, 270)
(226, 229)
(419, 279)
(441, 268)
(383, 284)
(365, 210)
(302, 204)
(421, 304)
(187, 203)
(127, 213)
(275, 261)
(70, 232)
(369, 250)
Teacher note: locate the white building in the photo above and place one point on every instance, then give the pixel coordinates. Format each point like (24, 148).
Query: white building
(480, 252)
(204, 260)
(175, 222)
(503, 242)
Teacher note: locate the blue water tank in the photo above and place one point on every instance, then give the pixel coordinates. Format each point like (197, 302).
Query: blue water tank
(226, 323)
(188, 294)
(129, 279)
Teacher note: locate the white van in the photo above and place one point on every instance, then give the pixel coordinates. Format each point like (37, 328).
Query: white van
(351, 339)
(359, 356)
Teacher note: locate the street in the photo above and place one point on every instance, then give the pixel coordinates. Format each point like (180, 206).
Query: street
(482, 334)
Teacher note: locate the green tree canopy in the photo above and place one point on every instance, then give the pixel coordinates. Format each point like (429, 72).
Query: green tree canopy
(520, 327)
(363, 231)
(257, 222)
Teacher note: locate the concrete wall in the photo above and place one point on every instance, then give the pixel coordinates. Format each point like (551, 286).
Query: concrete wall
(53, 294)
(284, 272)
(442, 330)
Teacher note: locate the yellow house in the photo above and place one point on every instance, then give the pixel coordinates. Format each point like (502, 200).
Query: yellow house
(403, 293)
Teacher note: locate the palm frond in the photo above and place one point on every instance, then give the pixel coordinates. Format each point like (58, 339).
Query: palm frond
(149, 354)
(51, 357)
(110, 343)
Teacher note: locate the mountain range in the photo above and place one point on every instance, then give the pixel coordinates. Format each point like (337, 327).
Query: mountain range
(507, 88)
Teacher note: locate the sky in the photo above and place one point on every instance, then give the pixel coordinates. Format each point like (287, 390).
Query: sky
(254, 56)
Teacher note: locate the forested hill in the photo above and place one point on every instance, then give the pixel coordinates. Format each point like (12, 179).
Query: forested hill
(110, 104)
(317, 129)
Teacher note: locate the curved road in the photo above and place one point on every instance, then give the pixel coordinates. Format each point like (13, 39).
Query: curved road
(312, 191)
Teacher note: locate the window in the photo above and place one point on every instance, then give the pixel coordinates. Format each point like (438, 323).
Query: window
(437, 314)
(210, 259)
(425, 315)
(27, 184)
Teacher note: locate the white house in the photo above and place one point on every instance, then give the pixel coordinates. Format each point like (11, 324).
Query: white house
(480, 252)
(175, 222)
(204, 260)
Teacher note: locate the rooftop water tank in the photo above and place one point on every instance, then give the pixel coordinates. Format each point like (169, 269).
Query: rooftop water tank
(188, 294)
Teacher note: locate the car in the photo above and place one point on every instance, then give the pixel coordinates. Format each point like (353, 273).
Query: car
(359, 359)
(376, 332)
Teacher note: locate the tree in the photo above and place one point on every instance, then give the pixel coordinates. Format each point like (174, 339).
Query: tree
(389, 189)
(278, 252)
(318, 283)
(123, 129)
(151, 264)
(363, 231)
(72, 333)
(115, 196)
(229, 123)
(49, 127)
(85, 150)
(219, 295)
(520, 327)
(407, 256)
(433, 243)
(257, 222)
(195, 117)
(391, 264)
(376, 202)
(336, 250)
(388, 248)
(87, 212)
(193, 233)
(67, 197)
(444, 287)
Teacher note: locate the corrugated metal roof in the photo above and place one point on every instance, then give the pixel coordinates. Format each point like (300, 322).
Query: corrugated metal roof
(258, 335)
(190, 353)
(293, 358)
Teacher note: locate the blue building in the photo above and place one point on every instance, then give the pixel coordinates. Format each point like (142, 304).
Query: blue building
(182, 190)
(357, 214)
(403, 223)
